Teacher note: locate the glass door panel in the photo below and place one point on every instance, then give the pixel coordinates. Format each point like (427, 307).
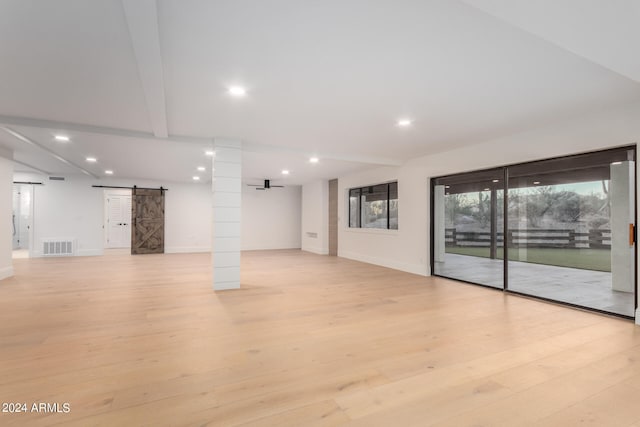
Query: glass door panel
(468, 227)
(569, 234)
(569, 230)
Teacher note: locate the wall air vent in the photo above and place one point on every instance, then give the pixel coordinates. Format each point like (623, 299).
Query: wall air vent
(56, 178)
(58, 247)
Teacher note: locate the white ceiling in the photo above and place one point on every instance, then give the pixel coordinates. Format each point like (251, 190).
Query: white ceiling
(141, 85)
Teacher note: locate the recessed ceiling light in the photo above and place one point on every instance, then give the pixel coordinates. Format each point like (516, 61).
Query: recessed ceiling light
(447, 186)
(237, 91)
(196, 178)
(91, 159)
(314, 160)
(210, 153)
(62, 138)
(496, 180)
(487, 189)
(201, 168)
(109, 172)
(404, 122)
(285, 172)
(536, 182)
(616, 163)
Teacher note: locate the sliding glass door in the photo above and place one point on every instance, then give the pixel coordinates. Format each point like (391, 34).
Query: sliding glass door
(569, 232)
(468, 227)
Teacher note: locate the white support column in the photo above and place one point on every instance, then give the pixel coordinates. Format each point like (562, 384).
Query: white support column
(438, 224)
(621, 197)
(227, 215)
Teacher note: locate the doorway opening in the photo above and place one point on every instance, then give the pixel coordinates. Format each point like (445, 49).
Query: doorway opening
(117, 220)
(21, 220)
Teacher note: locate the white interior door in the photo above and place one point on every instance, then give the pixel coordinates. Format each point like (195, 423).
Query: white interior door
(117, 220)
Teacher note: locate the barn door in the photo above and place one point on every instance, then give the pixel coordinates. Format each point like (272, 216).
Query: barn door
(147, 234)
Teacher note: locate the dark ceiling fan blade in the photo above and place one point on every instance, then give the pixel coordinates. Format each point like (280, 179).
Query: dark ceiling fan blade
(265, 186)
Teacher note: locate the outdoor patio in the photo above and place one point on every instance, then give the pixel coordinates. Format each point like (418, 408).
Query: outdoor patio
(576, 286)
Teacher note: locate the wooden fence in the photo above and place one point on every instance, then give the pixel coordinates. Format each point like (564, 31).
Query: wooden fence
(531, 238)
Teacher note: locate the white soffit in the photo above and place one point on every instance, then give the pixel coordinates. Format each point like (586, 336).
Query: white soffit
(603, 31)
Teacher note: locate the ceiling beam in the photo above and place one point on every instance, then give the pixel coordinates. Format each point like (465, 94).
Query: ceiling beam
(31, 167)
(98, 130)
(142, 20)
(47, 150)
(205, 142)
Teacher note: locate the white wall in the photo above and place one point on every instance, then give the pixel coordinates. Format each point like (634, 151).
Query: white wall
(381, 247)
(68, 209)
(187, 218)
(271, 218)
(6, 205)
(315, 217)
(408, 248)
(74, 209)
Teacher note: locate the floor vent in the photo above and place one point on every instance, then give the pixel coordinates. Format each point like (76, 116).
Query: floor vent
(58, 247)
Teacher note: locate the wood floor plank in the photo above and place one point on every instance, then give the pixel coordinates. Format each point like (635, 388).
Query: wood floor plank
(597, 410)
(308, 340)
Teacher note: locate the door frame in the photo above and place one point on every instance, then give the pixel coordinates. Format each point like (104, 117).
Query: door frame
(105, 212)
(505, 289)
(32, 190)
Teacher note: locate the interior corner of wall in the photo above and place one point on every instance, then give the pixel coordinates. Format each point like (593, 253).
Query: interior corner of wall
(315, 250)
(6, 272)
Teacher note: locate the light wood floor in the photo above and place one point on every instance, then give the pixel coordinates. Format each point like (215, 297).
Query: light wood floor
(309, 340)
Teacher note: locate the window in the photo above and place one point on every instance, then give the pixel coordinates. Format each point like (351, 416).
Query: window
(375, 206)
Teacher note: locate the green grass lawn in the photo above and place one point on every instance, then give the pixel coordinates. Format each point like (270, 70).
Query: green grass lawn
(586, 259)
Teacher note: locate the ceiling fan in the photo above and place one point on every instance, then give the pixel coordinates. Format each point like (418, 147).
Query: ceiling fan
(265, 186)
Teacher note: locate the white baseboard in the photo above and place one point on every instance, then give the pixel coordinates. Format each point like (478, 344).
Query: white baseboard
(316, 250)
(262, 248)
(187, 249)
(81, 252)
(419, 269)
(226, 286)
(6, 272)
(90, 252)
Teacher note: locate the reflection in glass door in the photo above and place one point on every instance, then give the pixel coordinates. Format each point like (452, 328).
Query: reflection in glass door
(468, 227)
(569, 231)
